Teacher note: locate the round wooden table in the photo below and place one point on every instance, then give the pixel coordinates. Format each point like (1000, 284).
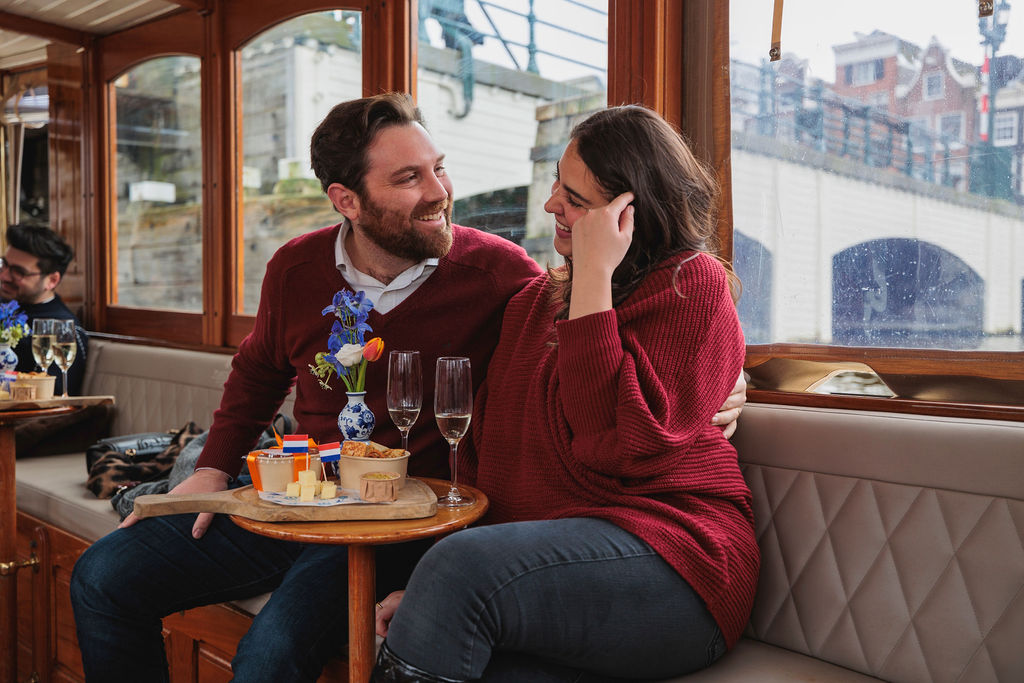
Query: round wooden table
(360, 536)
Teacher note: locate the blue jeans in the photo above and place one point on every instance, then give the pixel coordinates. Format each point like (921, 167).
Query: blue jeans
(127, 581)
(559, 600)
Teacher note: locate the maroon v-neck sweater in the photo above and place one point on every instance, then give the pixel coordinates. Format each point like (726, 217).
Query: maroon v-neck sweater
(609, 416)
(457, 311)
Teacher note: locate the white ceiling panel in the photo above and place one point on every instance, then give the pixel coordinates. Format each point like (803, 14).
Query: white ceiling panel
(17, 50)
(99, 17)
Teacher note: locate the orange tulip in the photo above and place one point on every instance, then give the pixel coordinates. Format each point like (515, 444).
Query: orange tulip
(373, 349)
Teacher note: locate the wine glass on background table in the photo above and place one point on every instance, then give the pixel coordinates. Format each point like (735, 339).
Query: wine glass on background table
(405, 391)
(453, 408)
(65, 348)
(42, 342)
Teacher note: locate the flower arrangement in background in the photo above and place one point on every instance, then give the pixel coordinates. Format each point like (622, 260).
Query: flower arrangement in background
(347, 353)
(13, 323)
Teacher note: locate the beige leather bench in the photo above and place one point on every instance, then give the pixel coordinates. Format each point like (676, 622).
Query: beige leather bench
(892, 545)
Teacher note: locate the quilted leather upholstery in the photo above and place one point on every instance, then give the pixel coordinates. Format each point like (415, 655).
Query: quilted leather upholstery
(155, 388)
(158, 388)
(893, 579)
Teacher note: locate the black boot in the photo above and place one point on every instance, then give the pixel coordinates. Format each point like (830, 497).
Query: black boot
(391, 669)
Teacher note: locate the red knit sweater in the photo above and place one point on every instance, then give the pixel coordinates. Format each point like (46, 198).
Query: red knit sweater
(457, 311)
(614, 421)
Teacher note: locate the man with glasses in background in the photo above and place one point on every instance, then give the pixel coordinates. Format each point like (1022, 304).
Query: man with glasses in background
(32, 267)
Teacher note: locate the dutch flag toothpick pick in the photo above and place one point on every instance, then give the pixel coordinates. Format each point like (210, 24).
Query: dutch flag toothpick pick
(296, 443)
(329, 452)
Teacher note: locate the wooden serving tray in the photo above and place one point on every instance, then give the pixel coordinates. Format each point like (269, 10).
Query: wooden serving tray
(56, 402)
(415, 500)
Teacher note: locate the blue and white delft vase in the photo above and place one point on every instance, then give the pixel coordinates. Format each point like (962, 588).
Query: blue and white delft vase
(8, 359)
(356, 420)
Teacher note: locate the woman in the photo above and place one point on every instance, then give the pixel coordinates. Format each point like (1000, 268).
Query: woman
(621, 539)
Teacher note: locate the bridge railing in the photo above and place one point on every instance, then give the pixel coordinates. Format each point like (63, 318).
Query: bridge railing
(769, 103)
(514, 24)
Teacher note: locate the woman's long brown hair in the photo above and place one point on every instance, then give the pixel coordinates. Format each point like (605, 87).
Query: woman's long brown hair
(631, 148)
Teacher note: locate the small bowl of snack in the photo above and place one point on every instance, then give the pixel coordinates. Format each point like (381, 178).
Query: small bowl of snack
(379, 487)
(36, 386)
(358, 458)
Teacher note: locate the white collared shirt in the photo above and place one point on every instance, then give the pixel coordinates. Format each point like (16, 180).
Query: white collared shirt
(384, 297)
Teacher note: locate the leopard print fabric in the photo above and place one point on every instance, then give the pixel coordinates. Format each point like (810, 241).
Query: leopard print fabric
(115, 470)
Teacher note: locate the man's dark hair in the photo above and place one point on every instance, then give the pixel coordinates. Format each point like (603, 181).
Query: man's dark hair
(52, 252)
(339, 144)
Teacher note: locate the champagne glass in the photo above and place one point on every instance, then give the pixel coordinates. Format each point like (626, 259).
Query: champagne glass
(453, 407)
(42, 342)
(65, 349)
(405, 391)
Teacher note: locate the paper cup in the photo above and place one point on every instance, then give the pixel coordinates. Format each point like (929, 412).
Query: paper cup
(272, 469)
(379, 487)
(43, 385)
(351, 469)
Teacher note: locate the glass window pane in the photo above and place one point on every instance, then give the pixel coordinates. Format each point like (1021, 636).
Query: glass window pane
(871, 207)
(159, 186)
(292, 74)
(25, 117)
(500, 85)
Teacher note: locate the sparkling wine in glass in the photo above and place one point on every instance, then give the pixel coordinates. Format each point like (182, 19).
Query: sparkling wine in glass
(65, 348)
(405, 391)
(42, 342)
(453, 408)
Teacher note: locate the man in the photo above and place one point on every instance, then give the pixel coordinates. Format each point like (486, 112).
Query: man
(32, 268)
(436, 287)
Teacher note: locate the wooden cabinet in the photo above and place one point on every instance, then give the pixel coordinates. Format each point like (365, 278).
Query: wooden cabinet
(199, 643)
(47, 646)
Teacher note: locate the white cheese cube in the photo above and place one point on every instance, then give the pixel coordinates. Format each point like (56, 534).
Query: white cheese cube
(307, 492)
(308, 477)
(292, 490)
(329, 490)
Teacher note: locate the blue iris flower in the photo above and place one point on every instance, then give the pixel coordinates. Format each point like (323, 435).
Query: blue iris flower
(10, 316)
(337, 338)
(336, 306)
(358, 303)
(338, 367)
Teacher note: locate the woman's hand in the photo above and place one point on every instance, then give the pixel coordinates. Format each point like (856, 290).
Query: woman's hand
(729, 413)
(600, 240)
(601, 237)
(386, 611)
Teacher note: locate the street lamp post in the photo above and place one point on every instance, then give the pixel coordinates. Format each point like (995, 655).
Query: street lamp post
(993, 32)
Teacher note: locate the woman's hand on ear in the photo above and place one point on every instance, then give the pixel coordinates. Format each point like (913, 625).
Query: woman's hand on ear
(601, 237)
(600, 240)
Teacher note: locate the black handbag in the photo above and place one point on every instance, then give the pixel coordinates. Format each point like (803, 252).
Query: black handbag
(118, 463)
(131, 447)
(123, 462)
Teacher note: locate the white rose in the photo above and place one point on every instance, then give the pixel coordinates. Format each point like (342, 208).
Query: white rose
(349, 355)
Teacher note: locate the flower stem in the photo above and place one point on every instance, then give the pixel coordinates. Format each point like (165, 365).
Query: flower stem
(361, 380)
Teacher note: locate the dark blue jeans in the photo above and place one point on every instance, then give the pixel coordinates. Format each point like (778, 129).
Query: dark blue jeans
(127, 581)
(559, 600)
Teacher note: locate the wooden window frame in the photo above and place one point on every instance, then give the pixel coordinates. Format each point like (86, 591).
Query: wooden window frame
(388, 62)
(178, 34)
(215, 34)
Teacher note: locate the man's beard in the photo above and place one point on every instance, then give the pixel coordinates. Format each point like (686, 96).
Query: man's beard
(395, 233)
